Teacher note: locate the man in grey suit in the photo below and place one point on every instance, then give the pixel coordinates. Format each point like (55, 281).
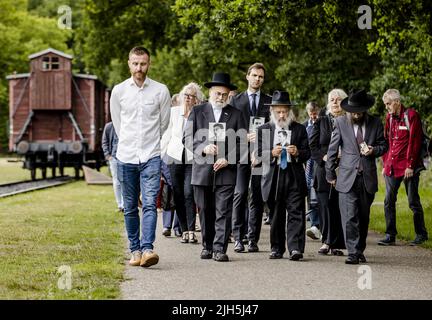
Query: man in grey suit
(214, 166)
(360, 138)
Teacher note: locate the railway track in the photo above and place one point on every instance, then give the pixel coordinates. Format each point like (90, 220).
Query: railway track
(11, 189)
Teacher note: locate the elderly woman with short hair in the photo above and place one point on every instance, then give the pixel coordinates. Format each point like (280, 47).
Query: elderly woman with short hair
(330, 224)
(179, 160)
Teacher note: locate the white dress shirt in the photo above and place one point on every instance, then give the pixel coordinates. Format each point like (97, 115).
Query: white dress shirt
(140, 116)
(217, 113)
(355, 126)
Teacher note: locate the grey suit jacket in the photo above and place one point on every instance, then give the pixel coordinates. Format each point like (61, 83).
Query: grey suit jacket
(299, 138)
(202, 165)
(343, 136)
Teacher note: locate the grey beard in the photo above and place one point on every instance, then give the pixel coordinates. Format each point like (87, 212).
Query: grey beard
(283, 124)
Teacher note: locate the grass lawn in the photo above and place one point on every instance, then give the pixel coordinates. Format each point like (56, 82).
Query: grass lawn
(73, 225)
(404, 216)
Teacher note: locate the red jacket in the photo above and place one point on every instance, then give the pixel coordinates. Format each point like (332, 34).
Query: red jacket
(404, 144)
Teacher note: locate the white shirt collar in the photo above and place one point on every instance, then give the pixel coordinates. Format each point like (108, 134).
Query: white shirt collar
(132, 82)
(250, 93)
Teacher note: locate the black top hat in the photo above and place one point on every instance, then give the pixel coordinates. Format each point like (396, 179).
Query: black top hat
(221, 79)
(357, 101)
(280, 98)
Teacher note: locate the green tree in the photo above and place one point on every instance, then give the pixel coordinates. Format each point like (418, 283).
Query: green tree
(21, 35)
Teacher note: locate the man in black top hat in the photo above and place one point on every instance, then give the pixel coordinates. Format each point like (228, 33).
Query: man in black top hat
(247, 219)
(360, 137)
(214, 166)
(283, 178)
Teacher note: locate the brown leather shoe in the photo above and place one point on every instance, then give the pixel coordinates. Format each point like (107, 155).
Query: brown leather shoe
(149, 258)
(135, 259)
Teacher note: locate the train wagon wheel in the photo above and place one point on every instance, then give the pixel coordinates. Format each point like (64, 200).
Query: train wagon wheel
(44, 173)
(33, 173)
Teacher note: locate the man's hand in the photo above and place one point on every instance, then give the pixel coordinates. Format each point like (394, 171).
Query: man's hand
(325, 158)
(332, 182)
(383, 172)
(408, 173)
(251, 137)
(211, 149)
(369, 152)
(292, 150)
(108, 158)
(219, 164)
(276, 151)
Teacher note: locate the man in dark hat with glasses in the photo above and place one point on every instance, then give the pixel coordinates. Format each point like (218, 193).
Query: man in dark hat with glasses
(360, 138)
(283, 148)
(214, 167)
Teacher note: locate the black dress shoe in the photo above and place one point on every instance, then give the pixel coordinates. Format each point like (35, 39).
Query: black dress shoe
(238, 246)
(296, 255)
(275, 255)
(220, 256)
(387, 241)
(352, 259)
(206, 254)
(252, 246)
(361, 258)
(418, 240)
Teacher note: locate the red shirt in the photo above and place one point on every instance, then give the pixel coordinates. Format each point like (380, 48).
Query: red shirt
(404, 144)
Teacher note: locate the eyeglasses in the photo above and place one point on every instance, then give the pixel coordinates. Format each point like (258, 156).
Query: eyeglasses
(220, 94)
(192, 96)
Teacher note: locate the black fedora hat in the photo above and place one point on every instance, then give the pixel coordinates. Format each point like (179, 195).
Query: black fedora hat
(280, 98)
(357, 101)
(221, 79)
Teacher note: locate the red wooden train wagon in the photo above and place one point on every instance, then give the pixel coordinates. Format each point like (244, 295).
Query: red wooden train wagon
(56, 117)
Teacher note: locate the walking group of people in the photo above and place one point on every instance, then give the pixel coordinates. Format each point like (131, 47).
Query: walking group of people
(235, 154)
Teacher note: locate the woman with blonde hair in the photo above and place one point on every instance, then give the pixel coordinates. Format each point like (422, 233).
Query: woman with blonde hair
(179, 160)
(330, 219)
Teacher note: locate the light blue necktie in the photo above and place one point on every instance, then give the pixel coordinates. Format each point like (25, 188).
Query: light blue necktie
(284, 160)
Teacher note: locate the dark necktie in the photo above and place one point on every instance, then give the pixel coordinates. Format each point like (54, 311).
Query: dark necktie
(284, 159)
(253, 104)
(360, 140)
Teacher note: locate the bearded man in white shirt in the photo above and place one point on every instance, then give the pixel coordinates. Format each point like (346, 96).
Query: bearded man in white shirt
(140, 110)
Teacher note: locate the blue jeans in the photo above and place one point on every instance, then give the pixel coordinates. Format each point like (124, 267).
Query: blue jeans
(133, 177)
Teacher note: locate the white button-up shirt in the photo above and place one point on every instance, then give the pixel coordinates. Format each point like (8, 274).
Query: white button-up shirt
(257, 99)
(217, 113)
(140, 116)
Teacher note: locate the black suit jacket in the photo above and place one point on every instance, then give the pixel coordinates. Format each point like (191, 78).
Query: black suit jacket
(299, 138)
(241, 103)
(319, 144)
(196, 139)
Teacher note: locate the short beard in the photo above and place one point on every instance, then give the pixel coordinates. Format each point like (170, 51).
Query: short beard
(283, 123)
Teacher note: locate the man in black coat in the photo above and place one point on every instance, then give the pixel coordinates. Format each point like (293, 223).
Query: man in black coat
(214, 167)
(252, 104)
(283, 177)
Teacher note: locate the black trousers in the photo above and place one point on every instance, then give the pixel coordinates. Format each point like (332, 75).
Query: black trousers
(411, 188)
(181, 175)
(289, 219)
(355, 211)
(240, 214)
(215, 211)
(256, 208)
(331, 226)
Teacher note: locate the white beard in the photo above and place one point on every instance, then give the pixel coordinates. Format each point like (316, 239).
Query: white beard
(283, 123)
(217, 104)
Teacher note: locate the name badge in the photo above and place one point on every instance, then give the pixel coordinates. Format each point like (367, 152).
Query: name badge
(403, 128)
